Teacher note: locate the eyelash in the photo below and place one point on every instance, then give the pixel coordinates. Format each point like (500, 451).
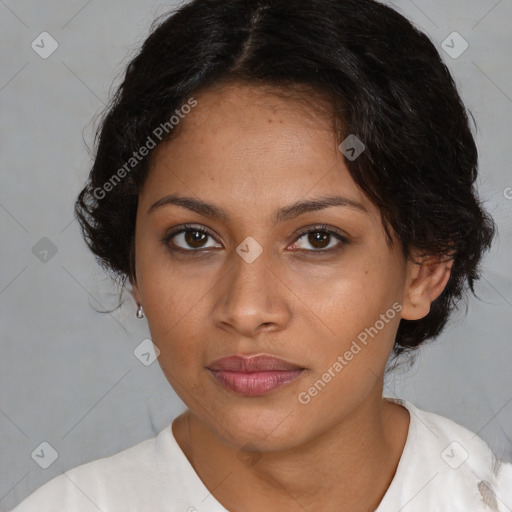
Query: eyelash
(315, 229)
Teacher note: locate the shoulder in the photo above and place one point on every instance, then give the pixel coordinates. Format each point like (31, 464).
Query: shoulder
(459, 462)
(111, 483)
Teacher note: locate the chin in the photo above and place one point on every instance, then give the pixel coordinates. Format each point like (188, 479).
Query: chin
(264, 432)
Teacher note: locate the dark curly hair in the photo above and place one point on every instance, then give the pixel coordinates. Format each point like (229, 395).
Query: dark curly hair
(386, 83)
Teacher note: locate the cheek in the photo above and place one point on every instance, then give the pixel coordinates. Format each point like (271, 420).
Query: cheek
(350, 297)
(174, 312)
(164, 292)
(178, 331)
(181, 357)
(358, 310)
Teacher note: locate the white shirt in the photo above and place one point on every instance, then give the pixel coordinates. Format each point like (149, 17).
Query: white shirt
(444, 467)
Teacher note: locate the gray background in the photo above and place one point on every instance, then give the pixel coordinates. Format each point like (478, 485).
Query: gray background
(68, 375)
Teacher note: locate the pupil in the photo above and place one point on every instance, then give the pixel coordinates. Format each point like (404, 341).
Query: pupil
(194, 238)
(318, 237)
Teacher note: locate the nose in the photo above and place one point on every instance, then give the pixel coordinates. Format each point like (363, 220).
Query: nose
(251, 298)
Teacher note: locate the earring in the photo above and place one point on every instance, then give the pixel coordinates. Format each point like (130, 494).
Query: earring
(140, 312)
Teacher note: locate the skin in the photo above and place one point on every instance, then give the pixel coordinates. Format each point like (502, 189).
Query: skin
(251, 152)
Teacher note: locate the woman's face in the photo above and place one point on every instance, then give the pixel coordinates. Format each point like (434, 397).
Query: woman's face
(256, 284)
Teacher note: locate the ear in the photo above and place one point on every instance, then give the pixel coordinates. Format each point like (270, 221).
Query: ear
(135, 289)
(136, 292)
(426, 278)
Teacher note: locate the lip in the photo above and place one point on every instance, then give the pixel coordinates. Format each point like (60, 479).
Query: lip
(253, 376)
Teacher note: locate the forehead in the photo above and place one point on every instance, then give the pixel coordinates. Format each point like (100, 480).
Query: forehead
(253, 145)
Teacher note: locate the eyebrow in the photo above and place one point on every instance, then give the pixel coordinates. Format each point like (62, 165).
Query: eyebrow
(284, 213)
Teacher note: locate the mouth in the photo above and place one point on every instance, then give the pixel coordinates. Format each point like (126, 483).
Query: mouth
(254, 376)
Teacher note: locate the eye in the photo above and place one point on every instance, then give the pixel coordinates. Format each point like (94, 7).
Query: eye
(188, 239)
(321, 238)
(192, 239)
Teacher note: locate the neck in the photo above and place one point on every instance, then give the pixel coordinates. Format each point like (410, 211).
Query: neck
(348, 467)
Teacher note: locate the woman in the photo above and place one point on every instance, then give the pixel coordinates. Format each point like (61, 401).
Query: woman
(288, 189)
